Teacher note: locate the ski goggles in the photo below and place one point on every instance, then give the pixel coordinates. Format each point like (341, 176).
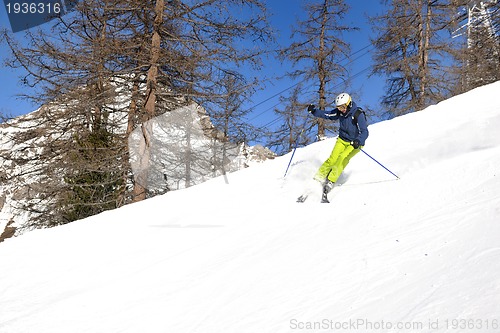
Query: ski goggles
(342, 107)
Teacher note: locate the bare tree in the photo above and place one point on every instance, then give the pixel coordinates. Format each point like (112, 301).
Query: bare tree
(415, 58)
(106, 69)
(193, 46)
(295, 129)
(318, 48)
(77, 149)
(476, 24)
(231, 129)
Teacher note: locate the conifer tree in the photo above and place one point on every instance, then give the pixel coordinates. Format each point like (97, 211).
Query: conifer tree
(415, 59)
(476, 24)
(294, 130)
(318, 48)
(78, 154)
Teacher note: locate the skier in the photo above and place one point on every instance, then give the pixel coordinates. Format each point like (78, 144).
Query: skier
(353, 133)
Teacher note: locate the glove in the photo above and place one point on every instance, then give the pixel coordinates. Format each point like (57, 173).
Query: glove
(311, 108)
(355, 144)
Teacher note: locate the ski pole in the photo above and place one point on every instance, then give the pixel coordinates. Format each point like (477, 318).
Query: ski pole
(296, 144)
(392, 173)
(291, 158)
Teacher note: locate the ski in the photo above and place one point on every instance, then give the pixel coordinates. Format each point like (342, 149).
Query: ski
(302, 198)
(305, 195)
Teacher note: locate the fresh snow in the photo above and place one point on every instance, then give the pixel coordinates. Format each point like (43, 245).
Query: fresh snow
(238, 255)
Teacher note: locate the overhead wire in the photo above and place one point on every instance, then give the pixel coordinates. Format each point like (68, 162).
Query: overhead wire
(369, 47)
(351, 77)
(302, 81)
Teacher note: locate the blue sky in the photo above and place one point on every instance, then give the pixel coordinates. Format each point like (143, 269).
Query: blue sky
(284, 14)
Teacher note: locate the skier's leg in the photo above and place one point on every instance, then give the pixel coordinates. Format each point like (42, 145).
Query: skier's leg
(351, 155)
(342, 161)
(327, 166)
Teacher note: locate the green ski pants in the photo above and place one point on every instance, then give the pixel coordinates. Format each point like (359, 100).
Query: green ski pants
(341, 154)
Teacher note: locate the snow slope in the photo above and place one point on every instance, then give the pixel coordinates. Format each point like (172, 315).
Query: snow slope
(419, 254)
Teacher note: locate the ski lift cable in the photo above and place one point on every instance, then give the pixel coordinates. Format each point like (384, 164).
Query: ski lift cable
(278, 118)
(301, 81)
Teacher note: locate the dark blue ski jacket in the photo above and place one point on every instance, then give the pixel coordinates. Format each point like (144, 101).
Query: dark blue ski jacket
(349, 130)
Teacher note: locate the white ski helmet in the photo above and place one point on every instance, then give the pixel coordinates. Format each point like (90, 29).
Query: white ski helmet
(343, 99)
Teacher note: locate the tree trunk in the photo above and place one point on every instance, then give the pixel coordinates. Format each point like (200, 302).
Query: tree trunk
(322, 73)
(140, 187)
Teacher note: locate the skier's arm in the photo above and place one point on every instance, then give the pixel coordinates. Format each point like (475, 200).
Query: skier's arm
(332, 115)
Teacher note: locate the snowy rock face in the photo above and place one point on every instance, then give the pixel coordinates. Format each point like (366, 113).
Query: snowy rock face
(184, 149)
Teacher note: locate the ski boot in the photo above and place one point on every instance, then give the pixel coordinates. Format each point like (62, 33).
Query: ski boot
(327, 187)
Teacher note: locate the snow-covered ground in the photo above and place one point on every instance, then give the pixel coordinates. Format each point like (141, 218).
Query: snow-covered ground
(238, 255)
